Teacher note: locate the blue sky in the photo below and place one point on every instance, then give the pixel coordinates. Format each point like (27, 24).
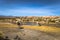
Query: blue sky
(30, 7)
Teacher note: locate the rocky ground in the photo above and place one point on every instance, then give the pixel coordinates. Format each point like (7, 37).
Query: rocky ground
(28, 34)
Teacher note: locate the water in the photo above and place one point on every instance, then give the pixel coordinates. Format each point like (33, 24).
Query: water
(30, 23)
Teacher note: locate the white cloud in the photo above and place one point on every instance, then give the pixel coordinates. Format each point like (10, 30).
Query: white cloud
(32, 11)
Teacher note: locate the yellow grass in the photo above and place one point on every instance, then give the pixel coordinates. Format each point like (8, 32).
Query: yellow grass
(47, 29)
(8, 25)
(1, 33)
(44, 28)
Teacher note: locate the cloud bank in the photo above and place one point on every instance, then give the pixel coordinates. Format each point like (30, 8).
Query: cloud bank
(28, 11)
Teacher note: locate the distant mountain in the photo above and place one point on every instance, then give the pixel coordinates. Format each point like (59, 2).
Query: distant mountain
(2, 16)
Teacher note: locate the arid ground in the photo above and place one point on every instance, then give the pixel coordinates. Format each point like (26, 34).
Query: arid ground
(30, 32)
